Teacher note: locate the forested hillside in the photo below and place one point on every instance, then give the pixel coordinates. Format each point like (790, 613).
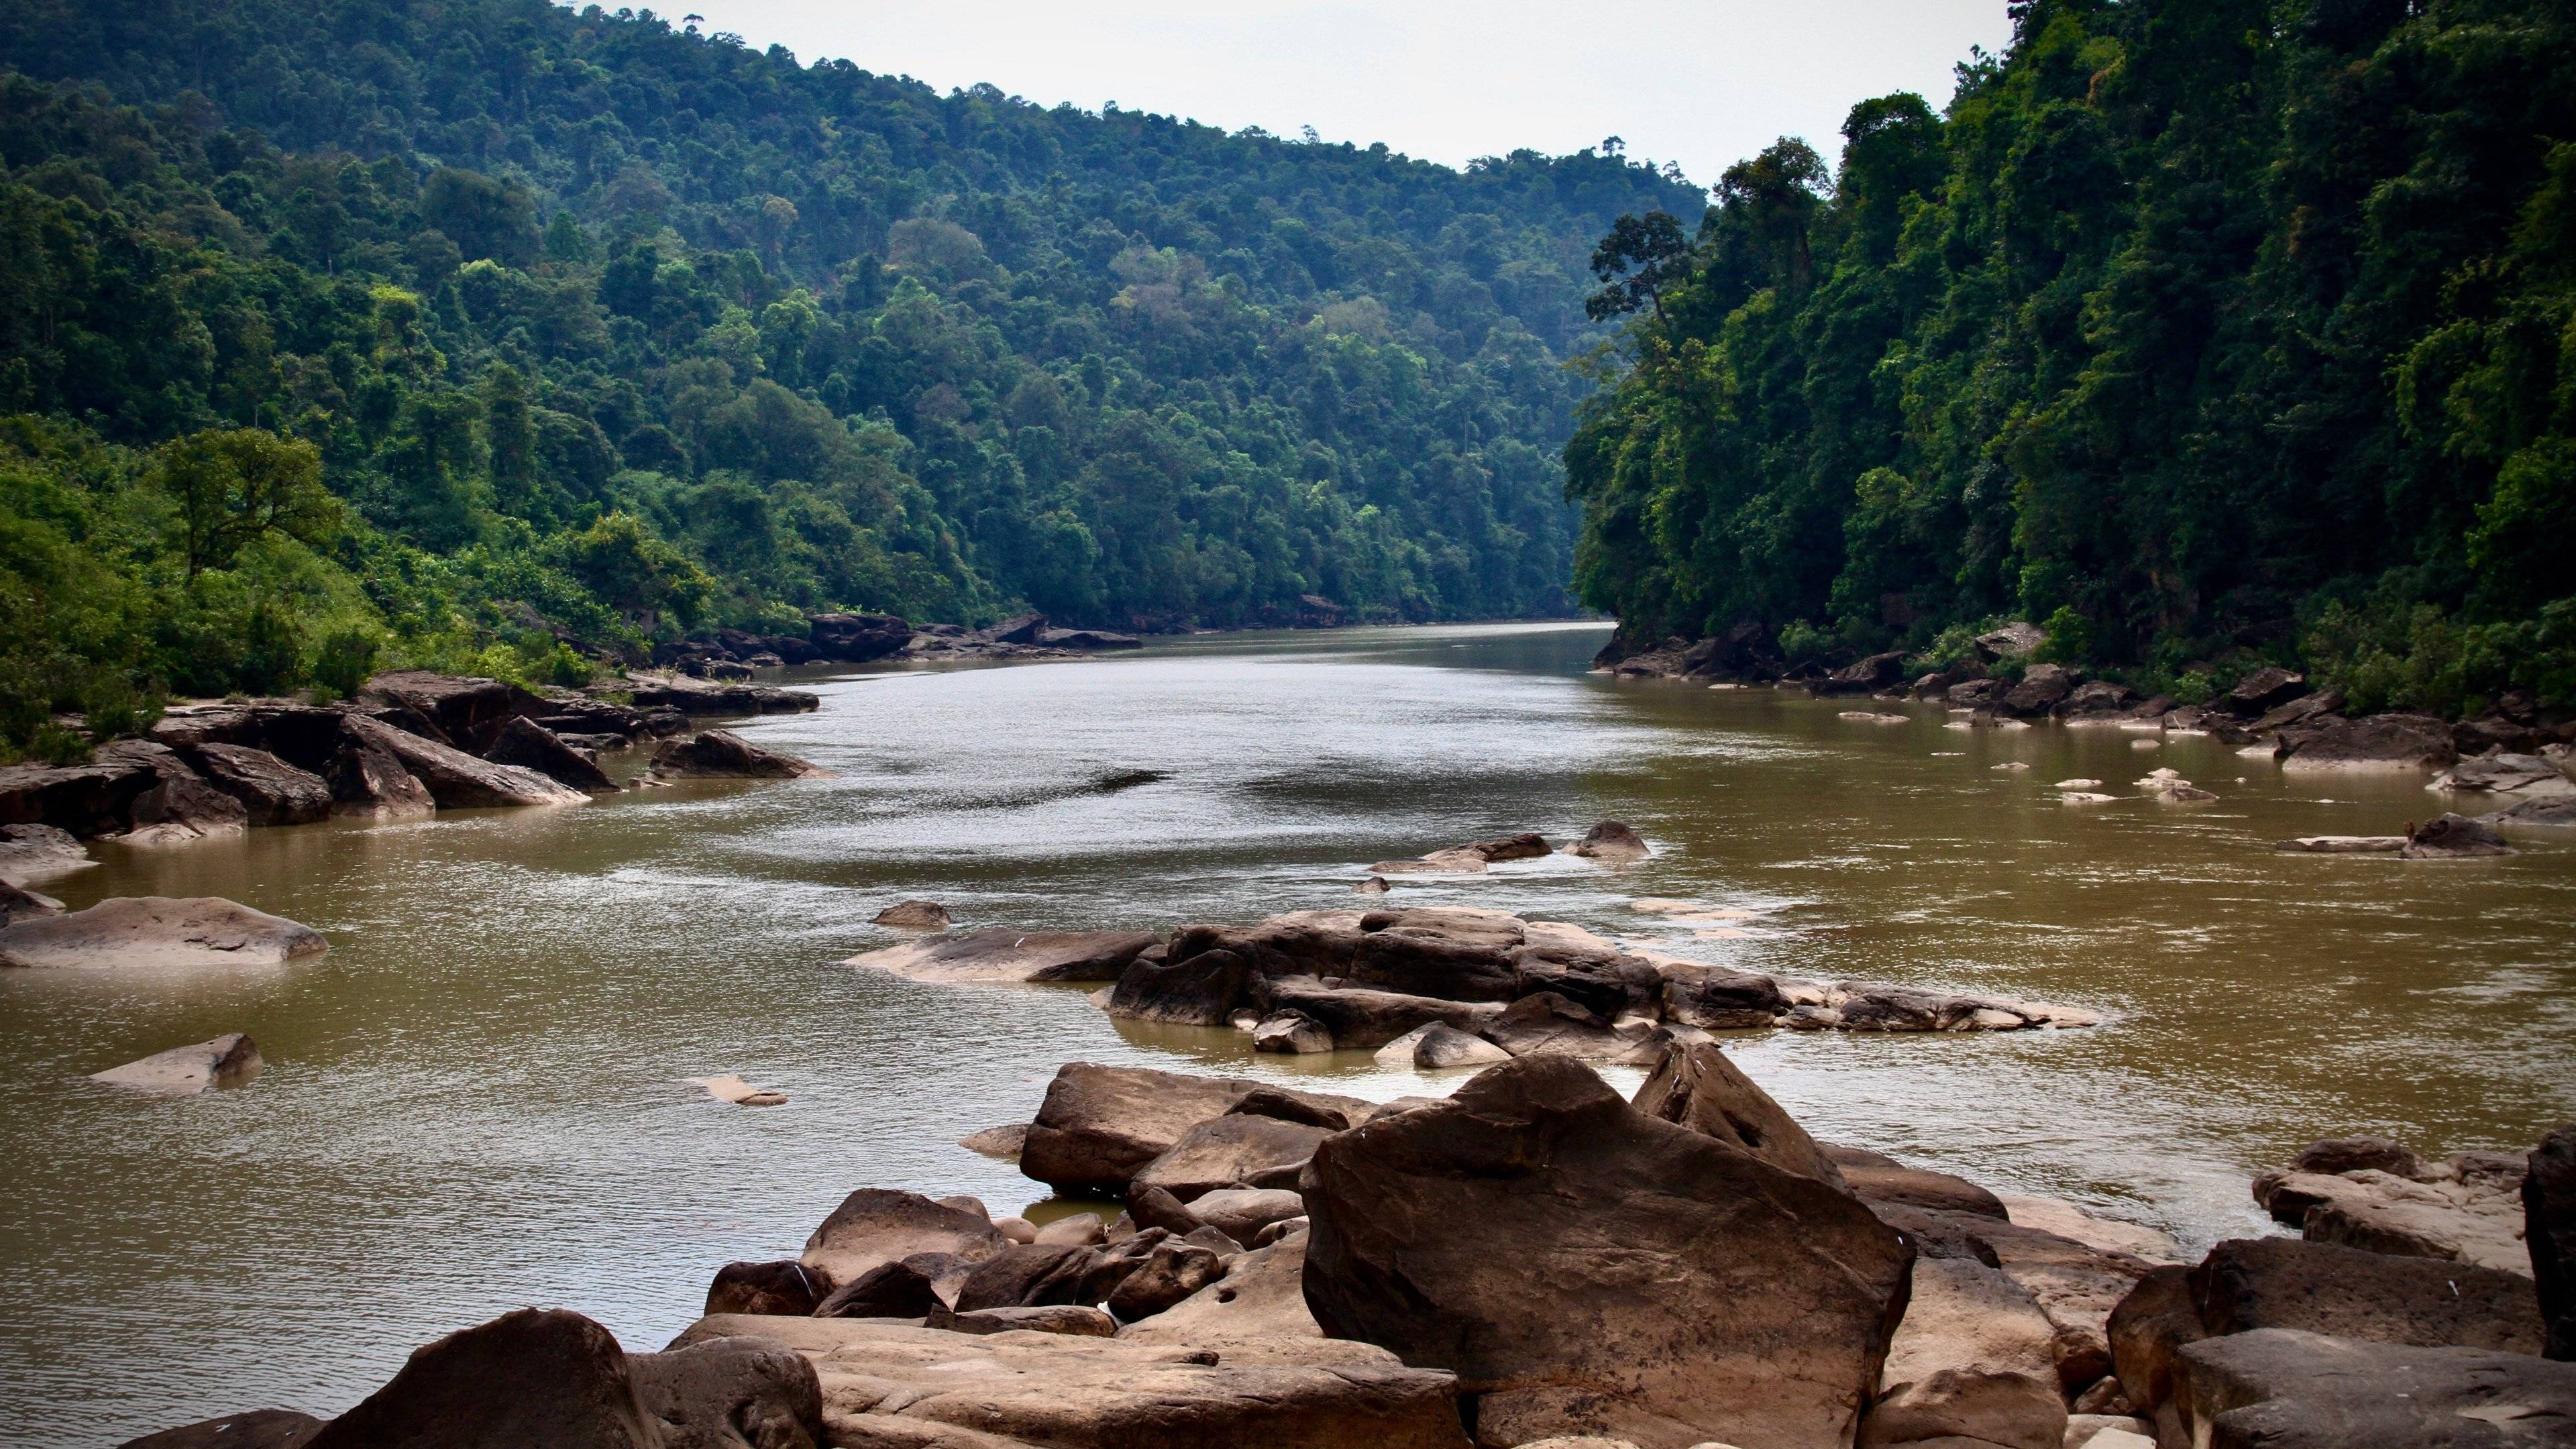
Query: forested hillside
(491, 335)
(2210, 332)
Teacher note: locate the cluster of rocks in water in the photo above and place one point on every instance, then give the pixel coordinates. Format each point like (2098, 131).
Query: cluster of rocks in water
(1536, 1261)
(1441, 986)
(867, 638)
(409, 745)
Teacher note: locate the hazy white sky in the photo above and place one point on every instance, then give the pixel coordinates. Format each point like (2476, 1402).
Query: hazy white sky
(1704, 82)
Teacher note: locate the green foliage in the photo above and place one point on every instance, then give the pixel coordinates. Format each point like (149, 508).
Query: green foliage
(489, 329)
(345, 661)
(2069, 641)
(2180, 316)
(2397, 657)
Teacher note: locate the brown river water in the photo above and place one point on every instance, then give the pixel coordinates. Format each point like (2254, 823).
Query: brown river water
(474, 1102)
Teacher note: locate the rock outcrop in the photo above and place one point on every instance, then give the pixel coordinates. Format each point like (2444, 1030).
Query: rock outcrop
(2549, 1209)
(536, 1376)
(875, 1226)
(1611, 840)
(2284, 1389)
(1586, 1269)
(271, 791)
(455, 779)
(2381, 741)
(531, 746)
(724, 755)
(1100, 1125)
(158, 931)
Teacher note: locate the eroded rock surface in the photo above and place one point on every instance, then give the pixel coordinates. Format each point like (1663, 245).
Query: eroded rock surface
(158, 931)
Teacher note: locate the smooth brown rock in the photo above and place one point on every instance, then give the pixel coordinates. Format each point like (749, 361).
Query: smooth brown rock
(1292, 1033)
(921, 1388)
(1099, 1124)
(1452, 953)
(1965, 1315)
(1201, 991)
(1527, 845)
(1242, 1212)
(158, 931)
(1290, 1106)
(1958, 1407)
(888, 1290)
(93, 799)
(997, 953)
(1585, 1268)
(1611, 840)
(1073, 1318)
(455, 779)
(913, 916)
(1441, 1047)
(1719, 998)
(2250, 1283)
(2380, 741)
(1003, 1142)
(226, 1061)
(1877, 1182)
(1547, 1024)
(1230, 1151)
(16, 903)
(1027, 1275)
(879, 1225)
(271, 791)
(1359, 1018)
(257, 1429)
(783, 1287)
(2284, 1389)
(1171, 1272)
(2463, 1222)
(1080, 1230)
(724, 755)
(2147, 1332)
(536, 1376)
(734, 1393)
(179, 805)
(1696, 1085)
(532, 746)
(1299, 943)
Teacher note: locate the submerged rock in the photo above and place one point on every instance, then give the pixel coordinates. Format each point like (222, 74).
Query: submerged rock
(154, 931)
(226, 1061)
(732, 1088)
(913, 916)
(2453, 837)
(996, 953)
(1611, 840)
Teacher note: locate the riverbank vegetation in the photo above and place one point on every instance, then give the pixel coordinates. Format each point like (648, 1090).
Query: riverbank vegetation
(496, 337)
(2210, 334)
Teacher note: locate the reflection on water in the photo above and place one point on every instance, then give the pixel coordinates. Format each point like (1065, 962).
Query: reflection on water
(474, 1102)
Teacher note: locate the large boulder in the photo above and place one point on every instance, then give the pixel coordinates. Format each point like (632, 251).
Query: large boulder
(536, 1376)
(1718, 998)
(879, 1225)
(1201, 991)
(1979, 1407)
(892, 1290)
(785, 1286)
(455, 779)
(2457, 1220)
(998, 953)
(1587, 1269)
(1235, 1150)
(466, 712)
(1298, 943)
(858, 638)
(1696, 1085)
(2281, 1388)
(724, 755)
(1241, 1213)
(2015, 640)
(2549, 1206)
(1866, 676)
(271, 791)
(31, 852)
(892, 1386)
(731, 1393)
(158, 931)
(2042, 688)
(227, 1061)
(305, 736)
(1964, 1315)
(2076, 1286)
(2379, 741)
(532, 746)
(1546, 1024)
(1099, 1124)
(2250, 1283)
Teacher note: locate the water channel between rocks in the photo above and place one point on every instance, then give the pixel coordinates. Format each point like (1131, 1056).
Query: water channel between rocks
(474, 1102)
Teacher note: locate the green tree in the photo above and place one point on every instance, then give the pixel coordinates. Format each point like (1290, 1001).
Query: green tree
(233, 486)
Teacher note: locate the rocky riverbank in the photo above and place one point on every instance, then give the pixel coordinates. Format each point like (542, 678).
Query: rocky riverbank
(1536, 1261)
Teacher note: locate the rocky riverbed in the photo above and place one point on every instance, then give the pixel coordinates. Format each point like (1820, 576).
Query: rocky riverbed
(1535, 1260)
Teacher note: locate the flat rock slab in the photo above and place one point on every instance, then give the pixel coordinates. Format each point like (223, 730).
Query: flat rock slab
(227, 1061)
(1100, 1125)
(894, 1384)
(158, 931)
(997, 953)
(2284, 1389)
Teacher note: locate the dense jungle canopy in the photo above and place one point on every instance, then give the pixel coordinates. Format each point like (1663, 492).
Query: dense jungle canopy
(2209, 332)
(499, 336)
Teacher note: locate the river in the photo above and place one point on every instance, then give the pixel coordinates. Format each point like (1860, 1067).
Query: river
(474, 1102)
